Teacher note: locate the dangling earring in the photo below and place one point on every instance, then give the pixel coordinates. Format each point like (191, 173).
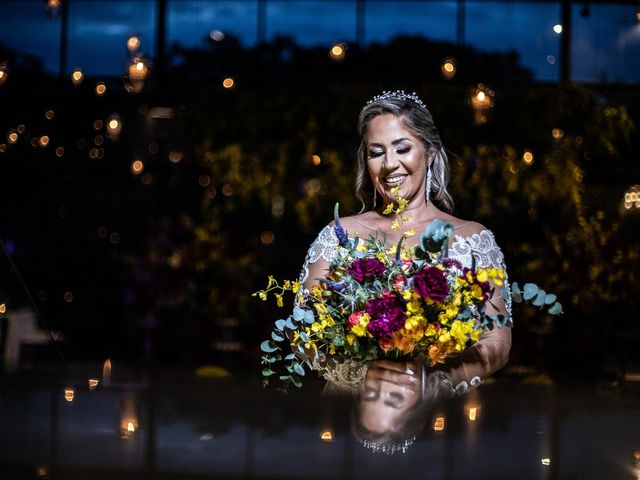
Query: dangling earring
(428, 189)
(375, 196)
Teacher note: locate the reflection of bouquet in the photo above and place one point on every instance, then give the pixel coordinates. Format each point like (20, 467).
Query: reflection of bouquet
(377, 302)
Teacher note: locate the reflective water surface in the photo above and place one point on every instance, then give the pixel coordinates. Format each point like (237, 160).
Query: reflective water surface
(179, 426)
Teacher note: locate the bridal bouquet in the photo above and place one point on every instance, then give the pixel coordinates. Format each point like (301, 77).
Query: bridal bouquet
(377, 302)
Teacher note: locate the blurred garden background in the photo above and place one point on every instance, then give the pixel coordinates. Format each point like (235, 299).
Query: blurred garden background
(160, 158)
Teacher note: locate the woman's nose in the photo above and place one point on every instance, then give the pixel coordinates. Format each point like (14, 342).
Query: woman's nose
(390, 161)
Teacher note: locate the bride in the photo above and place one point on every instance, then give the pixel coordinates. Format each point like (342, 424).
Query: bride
(400, 147)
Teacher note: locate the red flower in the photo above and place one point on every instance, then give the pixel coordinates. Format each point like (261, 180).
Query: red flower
(385, 344)
(364, 268)
(430, 282)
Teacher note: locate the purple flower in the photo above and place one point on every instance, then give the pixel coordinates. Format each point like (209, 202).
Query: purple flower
(431, 283)
(387, 315)
(449, 262)
(365, 268)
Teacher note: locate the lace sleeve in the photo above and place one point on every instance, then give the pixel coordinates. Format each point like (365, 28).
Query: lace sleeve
(324, 247)
(482, 248)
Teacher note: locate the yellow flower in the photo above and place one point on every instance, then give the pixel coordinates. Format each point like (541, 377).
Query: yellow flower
(263, 295)
(388, 209)
(395, 226)
(411, 232)
(279, 301)
(295, 286)
(320, 308)
(482, 275)
(444, 337)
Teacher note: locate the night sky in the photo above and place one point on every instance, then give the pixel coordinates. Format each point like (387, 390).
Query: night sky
(606, 43)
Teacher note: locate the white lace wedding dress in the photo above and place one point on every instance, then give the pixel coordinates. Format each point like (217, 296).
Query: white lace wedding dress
(463, 371)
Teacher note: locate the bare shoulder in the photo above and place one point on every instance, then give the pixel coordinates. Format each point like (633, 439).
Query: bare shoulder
(464, 228)
(357, 224)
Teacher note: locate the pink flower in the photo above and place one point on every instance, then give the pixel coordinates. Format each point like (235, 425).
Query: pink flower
(354, 318)
(398, 282)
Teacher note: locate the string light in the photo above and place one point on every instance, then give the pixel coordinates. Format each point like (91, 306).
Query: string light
(69, 394)
(438, 424)
(326, 436)
(44, 141)
(3, 308)
(106, 372)
(137, 72)
(93, 383)
(4, 72)
(448, 69)
(77, 76)
(228, 82)
(114, 127)
(557, 28)
(338, 51)
(49, 114)
(137, 167)
(101, 89)
(316, 160)
(527, 157)
(133, 44)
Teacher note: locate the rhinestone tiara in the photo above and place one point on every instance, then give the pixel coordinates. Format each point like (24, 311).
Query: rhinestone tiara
(389, 449)
(398, 94)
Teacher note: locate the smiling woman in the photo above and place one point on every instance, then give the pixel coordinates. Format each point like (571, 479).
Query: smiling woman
(402, 168)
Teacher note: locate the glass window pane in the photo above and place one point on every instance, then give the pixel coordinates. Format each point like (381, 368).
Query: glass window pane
(606, 44)
(98, 33)
(26, 29)
(526, 28)
(433, 20)
(191, 22)
(311, 22)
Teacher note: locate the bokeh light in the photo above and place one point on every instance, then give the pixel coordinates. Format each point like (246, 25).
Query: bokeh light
(267, 237)
(49, 114)
(77, 76)
(557, 28)
(316, 160)
(338, 51)
(448, 68)
(228, 82)
(137, 166)
(527, 157)
(101, 89)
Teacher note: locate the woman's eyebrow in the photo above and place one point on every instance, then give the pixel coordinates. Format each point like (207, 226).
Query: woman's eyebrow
(394, 143)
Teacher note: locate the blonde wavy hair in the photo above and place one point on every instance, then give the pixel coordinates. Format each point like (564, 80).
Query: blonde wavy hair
(418, 120)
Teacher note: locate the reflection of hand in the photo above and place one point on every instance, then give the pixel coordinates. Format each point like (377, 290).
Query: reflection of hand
(397, 373)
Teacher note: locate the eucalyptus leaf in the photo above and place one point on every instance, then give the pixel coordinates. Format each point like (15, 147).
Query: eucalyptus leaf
(308, 317)
(538, 301)
(268, 359)
(296, 381)
(298, 369)
(555, 309)
(280, 324)
(267, 372)
(304, 337)
(276, 337)
(516, 294)
(298, 314)
(285, 378)
(530, 290)
(291, 356)
(267, 347)
(289, 324)
(549, 298)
